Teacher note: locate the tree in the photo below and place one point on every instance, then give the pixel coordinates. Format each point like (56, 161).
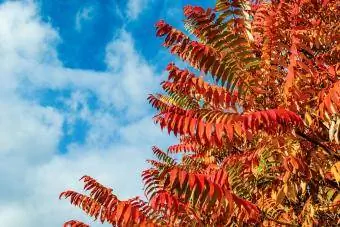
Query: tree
(258, 129)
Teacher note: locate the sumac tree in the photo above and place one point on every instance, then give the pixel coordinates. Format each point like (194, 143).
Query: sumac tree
(258, 127)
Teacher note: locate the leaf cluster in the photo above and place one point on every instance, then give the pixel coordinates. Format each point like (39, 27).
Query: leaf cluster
(258, 129)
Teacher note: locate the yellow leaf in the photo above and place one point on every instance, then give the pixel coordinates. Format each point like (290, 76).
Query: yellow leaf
(336, 171)
(285, 188)
(330, 193)
(308, 119)
(312, 211)
(280, 196)
(238, 129)
(303, 187)
(286, 177)
(290, 191)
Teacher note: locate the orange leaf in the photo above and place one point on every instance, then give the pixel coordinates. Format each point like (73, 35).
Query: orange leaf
(208, 130)
(219, 131)
(201, 129)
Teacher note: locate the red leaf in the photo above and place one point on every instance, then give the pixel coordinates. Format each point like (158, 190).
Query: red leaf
(208, 130)
(119, 212)
(192, 180)
(289, 79)
(173, 176)
(182, 177)
(230, 130)
(127, 214)
(192, 126)
(201, 180)
(219, 131)
(201, 129)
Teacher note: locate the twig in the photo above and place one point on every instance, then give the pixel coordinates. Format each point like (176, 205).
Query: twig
(314, 141)
(280, 222)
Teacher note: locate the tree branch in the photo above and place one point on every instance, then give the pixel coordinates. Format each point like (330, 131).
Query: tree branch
(317, 143)
(280, 222)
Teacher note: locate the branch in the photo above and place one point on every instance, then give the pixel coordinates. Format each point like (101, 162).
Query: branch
(317, 143)
(332, 184)
(280, 222)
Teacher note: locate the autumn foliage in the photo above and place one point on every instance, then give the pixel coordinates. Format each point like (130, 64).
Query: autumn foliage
(257, 115)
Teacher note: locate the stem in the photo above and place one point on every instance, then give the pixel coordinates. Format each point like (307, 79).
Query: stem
(281, 222)
(332, 184)
(314, 141)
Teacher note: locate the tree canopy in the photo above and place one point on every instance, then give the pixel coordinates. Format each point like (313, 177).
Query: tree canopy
(257, 117)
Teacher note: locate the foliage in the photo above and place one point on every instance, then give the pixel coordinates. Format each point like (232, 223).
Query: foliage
(258, 129)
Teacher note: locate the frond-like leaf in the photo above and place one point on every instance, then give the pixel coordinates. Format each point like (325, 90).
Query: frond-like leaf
(184, 147)
(173, 35)
(211, 126)
(206, 59)
(187, 83)
(162, 156)
(331, 102)
(89, 205)
(74, 223)
(106, 206)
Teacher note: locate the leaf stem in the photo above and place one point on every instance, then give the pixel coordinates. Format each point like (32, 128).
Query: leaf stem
(280, 222)
(316, 142)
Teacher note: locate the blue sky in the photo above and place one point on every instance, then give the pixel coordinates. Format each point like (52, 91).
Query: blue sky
(86, 27)
(74, 78)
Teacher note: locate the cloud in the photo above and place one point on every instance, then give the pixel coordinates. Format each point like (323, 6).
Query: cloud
(25, 43)
(83, 15)
(31, 42)
(120, 134)
(135, 8)
(136, 77)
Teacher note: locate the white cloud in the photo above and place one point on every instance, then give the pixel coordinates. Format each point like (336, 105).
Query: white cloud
(83, 15)
(36, 129)
(63, 172)
(9, 215)
(136, 77)
(32, 170)
(135, 7)
(21, 37)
